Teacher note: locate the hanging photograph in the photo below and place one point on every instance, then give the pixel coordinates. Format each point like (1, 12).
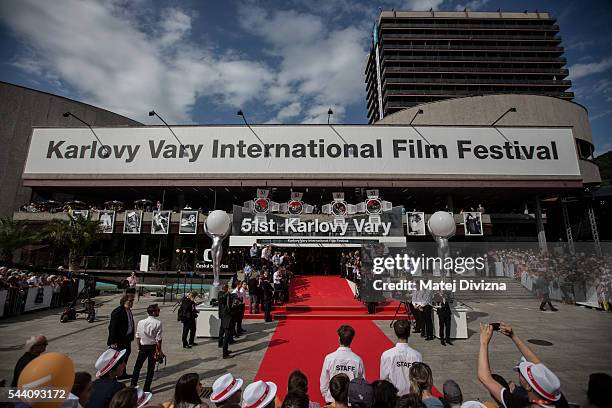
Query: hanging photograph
(189, 222)
(416, 223)
(107, 221)
(80, 213)
(160, 223)
(132, 222)
(472, 223)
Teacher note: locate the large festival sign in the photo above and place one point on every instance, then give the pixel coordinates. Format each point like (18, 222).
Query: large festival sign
(304, 152)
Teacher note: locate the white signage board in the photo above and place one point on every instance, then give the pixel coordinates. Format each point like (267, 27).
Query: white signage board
(303, 152)
(144, 263)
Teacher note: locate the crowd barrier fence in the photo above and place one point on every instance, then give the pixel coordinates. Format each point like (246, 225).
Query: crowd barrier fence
(15, 301)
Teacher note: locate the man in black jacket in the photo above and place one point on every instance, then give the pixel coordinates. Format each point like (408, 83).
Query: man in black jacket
(188, 314)
(254, 299)
(268, 296)
(121, 328)
(225, 315)
(444, 319)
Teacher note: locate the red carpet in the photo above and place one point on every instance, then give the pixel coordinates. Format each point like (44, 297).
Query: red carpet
(325, 298)
(303, 344)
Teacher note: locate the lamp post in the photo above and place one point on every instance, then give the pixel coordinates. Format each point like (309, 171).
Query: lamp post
(442, 227)
(217, 226)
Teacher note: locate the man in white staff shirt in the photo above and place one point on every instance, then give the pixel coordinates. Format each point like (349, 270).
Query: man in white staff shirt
(395, 363)
(343, 360)
(149, 337)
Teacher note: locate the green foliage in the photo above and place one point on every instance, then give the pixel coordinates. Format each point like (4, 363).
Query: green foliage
(13, 235)
(76, 235)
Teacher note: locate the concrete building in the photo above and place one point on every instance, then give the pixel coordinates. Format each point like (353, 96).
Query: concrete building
(21, 110)
(420, 57)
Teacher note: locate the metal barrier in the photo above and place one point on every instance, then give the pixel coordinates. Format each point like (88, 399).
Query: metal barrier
(15, 301)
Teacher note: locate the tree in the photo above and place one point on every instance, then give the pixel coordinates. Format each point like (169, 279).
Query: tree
(76, 235)
(13, 235)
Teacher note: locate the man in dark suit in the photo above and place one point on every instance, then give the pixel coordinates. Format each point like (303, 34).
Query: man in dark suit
(444, 319)
(254, 293)
(268, 297)
(121, 328)
(188, 315)
(225, 315)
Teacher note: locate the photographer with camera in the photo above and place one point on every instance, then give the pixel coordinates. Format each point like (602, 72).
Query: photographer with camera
(149, 337)
(541, 384)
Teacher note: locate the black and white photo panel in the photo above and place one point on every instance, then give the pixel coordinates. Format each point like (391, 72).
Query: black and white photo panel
(189, 222)
(472, 222)
(132, 222)
(160, 223)
(107, 221)
(416, 223)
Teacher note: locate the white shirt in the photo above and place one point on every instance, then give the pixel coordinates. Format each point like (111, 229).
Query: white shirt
(276, 260)
(264, 253)
(395, 365)
(239, 294)
(149, 331)
(277, 278)
(343, 360)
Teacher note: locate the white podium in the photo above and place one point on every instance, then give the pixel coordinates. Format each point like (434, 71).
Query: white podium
(458, 322)
(208, 322)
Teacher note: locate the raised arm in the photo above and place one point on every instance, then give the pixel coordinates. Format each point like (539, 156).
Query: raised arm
(506, 329)
(484, 370)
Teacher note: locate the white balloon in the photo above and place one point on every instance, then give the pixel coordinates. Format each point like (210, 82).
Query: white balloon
(442, 224)
(217, 222)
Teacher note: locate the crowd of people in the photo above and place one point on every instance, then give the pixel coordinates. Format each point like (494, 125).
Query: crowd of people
(568, 271)
(404, 380)
(19, 281)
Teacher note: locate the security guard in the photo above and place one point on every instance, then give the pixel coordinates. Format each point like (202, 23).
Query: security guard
(395, 363)
(343, 360)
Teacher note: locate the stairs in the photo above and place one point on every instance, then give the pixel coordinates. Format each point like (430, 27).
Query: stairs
(328, 312)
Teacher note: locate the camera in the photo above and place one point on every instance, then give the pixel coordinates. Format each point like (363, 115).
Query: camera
(495, 326)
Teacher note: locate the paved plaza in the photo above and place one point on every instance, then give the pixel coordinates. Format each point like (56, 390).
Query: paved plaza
(576, 338)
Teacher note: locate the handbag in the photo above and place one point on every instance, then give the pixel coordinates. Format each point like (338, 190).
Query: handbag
(158, 355)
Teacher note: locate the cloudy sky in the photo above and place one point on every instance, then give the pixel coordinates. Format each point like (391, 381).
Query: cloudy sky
(283, 61)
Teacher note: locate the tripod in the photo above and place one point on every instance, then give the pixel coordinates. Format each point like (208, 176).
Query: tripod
(397, 310)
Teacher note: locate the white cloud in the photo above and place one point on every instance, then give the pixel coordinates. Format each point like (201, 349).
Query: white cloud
(601, 115)
(578, 45)
(318, 65)
(420, 5)
(290, 111)
(472, 5)
(581, 70)
(318, 114)
(116, 61)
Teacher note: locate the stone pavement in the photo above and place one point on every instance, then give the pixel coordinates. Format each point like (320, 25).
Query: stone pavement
(84, 342)
(579, 347)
